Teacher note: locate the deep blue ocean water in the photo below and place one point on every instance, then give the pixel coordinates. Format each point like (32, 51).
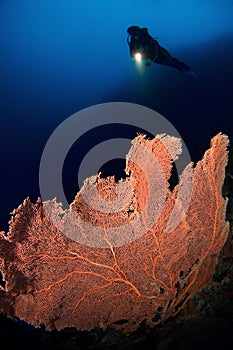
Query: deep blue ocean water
(58, 57)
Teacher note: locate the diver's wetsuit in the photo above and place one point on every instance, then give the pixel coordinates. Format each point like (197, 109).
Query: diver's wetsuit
(140, 39)
(160, 55)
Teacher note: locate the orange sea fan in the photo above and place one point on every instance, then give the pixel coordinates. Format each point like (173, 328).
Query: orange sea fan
(53, 279)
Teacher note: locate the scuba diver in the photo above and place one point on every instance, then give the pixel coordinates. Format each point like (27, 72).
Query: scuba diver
(143, 46)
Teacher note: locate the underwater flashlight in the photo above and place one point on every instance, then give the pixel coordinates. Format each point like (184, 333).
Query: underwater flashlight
(138, 57)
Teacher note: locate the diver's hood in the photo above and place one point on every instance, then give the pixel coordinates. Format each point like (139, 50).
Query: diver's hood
(132, 29)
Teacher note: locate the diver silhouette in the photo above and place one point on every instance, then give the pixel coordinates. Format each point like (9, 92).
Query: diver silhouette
(141, 43)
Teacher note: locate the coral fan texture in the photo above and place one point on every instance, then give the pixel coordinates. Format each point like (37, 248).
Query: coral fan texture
(54, 280)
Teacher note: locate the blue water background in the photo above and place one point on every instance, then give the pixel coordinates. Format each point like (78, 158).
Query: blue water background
(58, 57)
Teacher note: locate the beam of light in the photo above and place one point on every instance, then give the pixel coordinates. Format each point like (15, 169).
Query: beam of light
(139, 62)
(138, 57)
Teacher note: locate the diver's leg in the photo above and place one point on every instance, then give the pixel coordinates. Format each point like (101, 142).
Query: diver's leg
(175, 63)
(166, 59)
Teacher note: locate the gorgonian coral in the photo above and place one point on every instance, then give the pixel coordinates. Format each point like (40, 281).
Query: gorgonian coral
(53, 279)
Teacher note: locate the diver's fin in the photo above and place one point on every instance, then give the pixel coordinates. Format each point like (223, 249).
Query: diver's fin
(191, 74)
